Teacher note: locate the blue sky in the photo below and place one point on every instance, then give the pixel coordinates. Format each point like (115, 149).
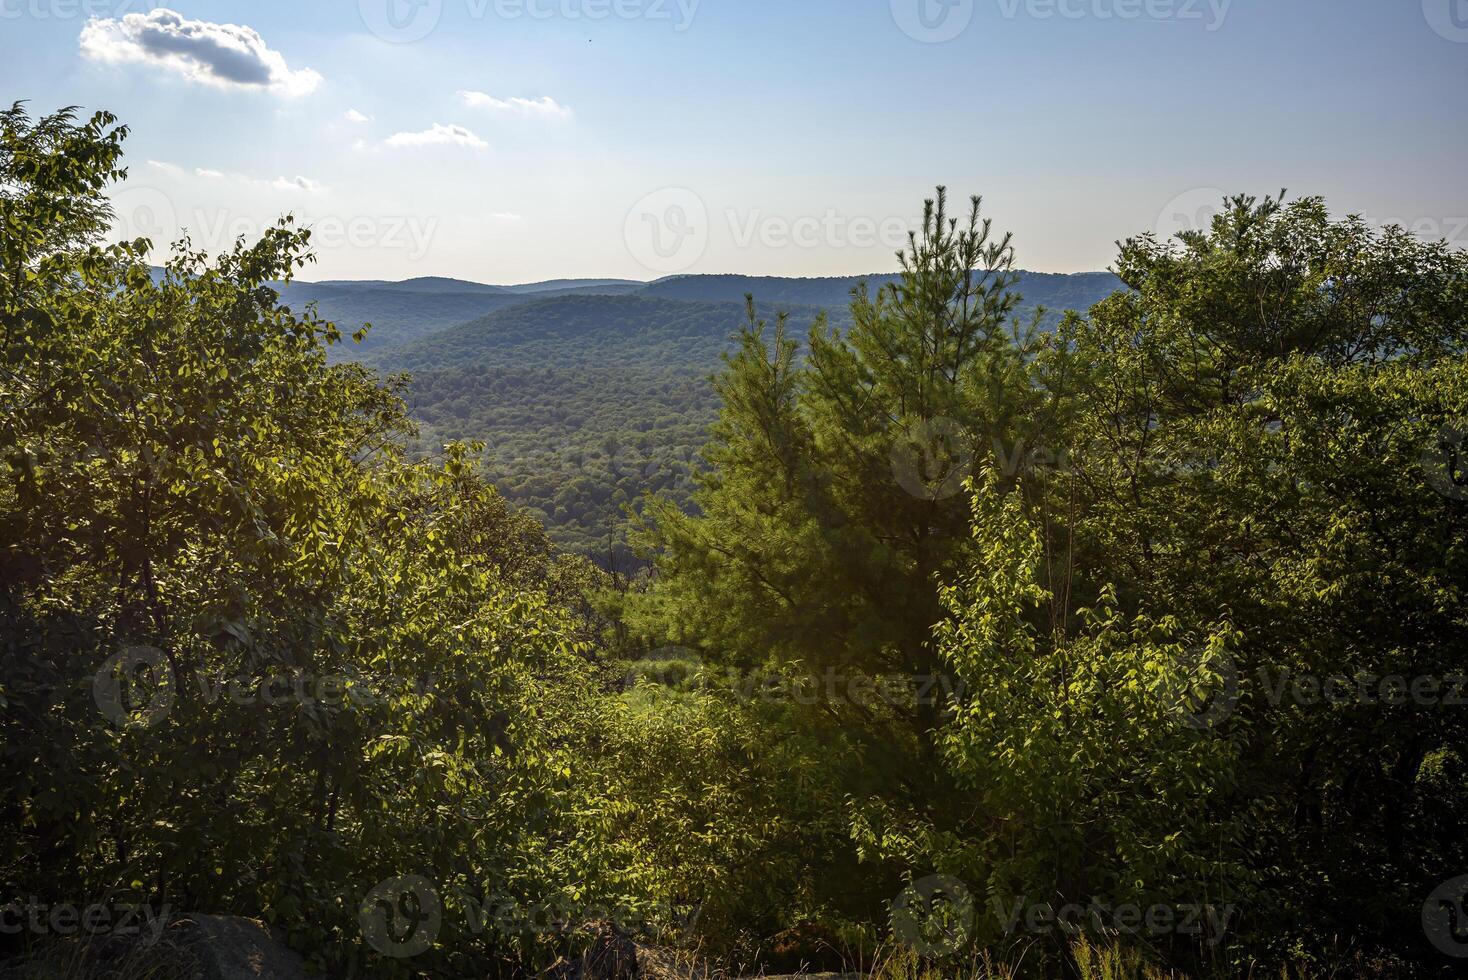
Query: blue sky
(516, 140)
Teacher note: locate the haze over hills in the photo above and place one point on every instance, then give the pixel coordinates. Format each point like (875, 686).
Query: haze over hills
(440, 284)
(404, 312)
(1058, 291)
(397, 315)
(589, 393)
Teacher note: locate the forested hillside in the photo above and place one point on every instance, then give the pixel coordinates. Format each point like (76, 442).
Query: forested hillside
(584, 403)
(585, 400)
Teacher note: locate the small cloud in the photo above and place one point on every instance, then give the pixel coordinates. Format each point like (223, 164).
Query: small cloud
(541, 108)
(296, 184)
(221, 55)
(438, 135)
(353, 116)
(507, 217)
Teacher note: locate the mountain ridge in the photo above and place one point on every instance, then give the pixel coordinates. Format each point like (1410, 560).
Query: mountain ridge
(406, 312)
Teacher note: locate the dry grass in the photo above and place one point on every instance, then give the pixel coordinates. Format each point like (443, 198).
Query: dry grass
(1090, 961)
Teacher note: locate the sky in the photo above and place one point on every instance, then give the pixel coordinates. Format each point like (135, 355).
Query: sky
(510, 141)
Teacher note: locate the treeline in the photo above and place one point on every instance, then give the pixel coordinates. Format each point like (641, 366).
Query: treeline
(995, 643)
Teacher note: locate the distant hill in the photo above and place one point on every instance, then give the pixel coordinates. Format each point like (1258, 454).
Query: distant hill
(398, 316)
(586, 329)
(614, 289)
(588, 393)
(423, 284)
(554, 285)
(1058, 291)
(585, 402)
(828, 292)
(403, 313)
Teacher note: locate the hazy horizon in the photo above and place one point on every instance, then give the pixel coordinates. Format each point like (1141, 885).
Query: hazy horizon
(309, 277)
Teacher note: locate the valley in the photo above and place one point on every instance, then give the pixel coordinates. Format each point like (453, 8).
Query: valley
(589, 394)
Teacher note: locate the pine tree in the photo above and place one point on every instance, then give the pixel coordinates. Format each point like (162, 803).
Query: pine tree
(831, 504)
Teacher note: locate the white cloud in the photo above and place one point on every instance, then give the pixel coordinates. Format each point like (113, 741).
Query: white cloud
(222, 55)
(296, 184)
(438, 135)
(544, 107)
(507, 217)
(354, 116)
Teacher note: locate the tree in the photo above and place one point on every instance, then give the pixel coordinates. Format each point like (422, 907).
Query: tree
(830, 506)
(1265, 450)
(252, 659)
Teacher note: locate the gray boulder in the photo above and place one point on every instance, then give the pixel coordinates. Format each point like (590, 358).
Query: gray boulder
(192, 947)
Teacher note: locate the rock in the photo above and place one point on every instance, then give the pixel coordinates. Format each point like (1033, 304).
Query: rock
(234, 948)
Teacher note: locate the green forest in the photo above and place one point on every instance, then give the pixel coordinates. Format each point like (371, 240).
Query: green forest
(588, 396)
(931, 635)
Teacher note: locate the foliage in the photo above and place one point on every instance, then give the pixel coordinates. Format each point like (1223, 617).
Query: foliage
(721, 811)
(1069, 744)
(810, 557)
(1239, 474)
(360, 668)
(1270, 441)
